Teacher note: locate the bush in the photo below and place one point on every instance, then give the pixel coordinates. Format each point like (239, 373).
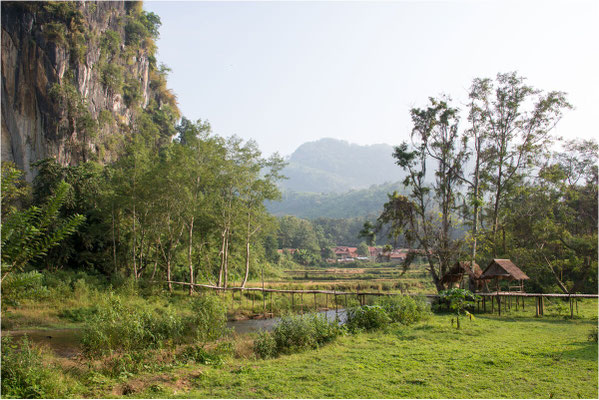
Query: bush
(200, 355)
(25, 376)
(366, 318)
(209, 319)
(79, 314)
(20, 286)
(265, 345)
(295, 333)
(117, 327)
(112, 77)
(404, 309)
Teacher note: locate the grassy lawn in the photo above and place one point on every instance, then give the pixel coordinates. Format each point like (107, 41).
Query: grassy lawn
(514, 356)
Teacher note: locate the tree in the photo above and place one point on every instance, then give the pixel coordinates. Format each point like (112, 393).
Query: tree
(551, 221)
(517, 119)
(435, 137)
(363, 250)
(29, 234)
(459, 300)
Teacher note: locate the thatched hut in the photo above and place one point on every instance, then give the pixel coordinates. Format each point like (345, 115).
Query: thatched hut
(505, 269)
(461, 270)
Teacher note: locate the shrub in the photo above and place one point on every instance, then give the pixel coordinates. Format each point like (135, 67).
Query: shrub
(295, 333)
(110, 43)
(200, 355)
(404, 309)
(132, 92)
(366, 318)
(79, 314)
(459, 300)
(112, 77)
(265, 345)
(21, 286)
(117, 327)
(25, 376)
(209, 319)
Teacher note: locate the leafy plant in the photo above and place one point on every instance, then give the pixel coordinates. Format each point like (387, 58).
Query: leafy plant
(404, 309)
(26, 285)
(29, 234)
(459, 300)
(295, 333)
(24, 374)
(209, 319)
(79, 314)
(367, 318)
(116, 326)
(265, 345)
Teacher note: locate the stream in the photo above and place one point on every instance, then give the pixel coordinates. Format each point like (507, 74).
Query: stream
(65, 343)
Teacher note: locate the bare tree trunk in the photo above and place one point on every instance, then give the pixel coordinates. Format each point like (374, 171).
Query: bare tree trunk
(154, 271)
(222, 258)
(496, 206)
(134, 244)
(113, 240)
(247, 254)
(168, 275)
(189, 260)
(226, 264)
(475, 216)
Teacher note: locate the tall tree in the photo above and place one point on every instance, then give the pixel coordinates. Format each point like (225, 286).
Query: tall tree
(28, 234)
(435, 137)
(517, 119)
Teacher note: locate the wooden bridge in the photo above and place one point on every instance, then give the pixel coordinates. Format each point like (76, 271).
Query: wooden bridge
(507, 300)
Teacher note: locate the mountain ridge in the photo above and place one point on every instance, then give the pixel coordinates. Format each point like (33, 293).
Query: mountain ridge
(331, 165)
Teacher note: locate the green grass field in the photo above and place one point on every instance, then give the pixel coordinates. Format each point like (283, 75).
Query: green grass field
(515, 356)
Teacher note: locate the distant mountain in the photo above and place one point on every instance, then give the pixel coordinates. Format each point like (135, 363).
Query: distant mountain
(336, 166)
(354, 203)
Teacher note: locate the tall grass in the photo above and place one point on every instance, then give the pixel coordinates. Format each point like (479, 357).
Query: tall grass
(296, 333)
(25, 375)
(120, 326)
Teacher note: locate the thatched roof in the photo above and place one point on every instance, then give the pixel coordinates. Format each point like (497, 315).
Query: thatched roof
(460, 268)
(503, 268)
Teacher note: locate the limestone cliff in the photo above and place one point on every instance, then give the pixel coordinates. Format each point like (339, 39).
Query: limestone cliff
(74, 77)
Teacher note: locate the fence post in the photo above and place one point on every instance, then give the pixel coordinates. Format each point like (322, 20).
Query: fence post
(571, 308)
(542, 306)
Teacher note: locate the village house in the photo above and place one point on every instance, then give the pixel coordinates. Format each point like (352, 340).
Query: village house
(345, 253)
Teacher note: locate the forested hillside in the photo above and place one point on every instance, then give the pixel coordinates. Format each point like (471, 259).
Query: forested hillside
(336, 166)
(354, 203)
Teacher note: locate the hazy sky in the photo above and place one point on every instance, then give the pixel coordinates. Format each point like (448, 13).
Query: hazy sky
(283, 73)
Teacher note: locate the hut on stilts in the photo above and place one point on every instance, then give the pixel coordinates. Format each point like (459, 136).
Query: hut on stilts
(505, 269)
(462, 276)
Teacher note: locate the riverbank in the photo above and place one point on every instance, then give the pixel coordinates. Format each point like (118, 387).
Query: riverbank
(515, 355)
(491, 357)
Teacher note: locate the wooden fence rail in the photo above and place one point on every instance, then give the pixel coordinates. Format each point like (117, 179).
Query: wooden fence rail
(333, 292)
(497, 298)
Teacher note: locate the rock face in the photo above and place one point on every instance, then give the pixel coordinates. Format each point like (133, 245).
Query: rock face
(65, 71)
